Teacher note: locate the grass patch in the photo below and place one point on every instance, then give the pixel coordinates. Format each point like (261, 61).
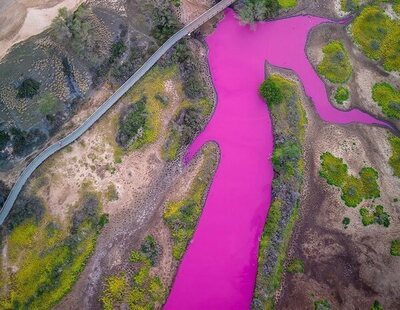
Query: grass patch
(335, 65)
(377, 35)
(48, 257)
(143, 291)
(379, 216)
(111, 194)
(182, 216)
(342, 94)
(287, 4)
(295, 266)
(388, 98)
(395, 248)
(354, 190)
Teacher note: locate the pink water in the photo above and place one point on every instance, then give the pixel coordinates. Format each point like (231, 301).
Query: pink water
(219, 268)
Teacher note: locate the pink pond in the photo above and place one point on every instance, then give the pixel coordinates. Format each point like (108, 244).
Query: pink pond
(219, 268)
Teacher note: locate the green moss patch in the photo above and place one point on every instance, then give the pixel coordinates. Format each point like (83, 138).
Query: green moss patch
(335, 65)
(388, 98)
(354, 190)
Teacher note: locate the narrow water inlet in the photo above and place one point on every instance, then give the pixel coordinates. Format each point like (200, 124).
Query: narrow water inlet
(218, 270)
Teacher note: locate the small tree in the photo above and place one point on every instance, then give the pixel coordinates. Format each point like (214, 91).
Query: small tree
(28, 88)
(271, 92)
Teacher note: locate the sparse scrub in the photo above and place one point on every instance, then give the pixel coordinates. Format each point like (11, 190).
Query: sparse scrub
(165, 24)
(388, 98)
(349, 5)
(143, 291)
(49, 257)
(322, 305)
(111, 193)
(354, 190)
(181, 216)
(335, 66)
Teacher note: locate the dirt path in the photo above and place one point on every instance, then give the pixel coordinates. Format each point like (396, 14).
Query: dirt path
(22, 19)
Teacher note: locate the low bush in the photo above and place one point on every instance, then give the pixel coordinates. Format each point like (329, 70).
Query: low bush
(271, 92)
(346, 222)
(342, 94)
(349, 5)
(287, 4)
(258, 10)
(165, 24)
(395, 248)
(376, 306)
(322, 305)
(335, 65)
(28, 88)
(375, 217)
(354, 190)
(388, 98)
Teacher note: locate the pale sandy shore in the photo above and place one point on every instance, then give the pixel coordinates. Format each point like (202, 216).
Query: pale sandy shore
(23, 19)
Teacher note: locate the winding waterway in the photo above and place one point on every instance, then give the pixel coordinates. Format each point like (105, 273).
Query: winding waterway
(219, 268)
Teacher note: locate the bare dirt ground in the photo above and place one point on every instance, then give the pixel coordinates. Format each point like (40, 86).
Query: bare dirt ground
(365, 71)
(351, 268)
(22, 19)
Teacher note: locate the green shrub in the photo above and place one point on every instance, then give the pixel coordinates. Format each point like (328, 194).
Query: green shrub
(295, 266)
(322, 305)
(335, 65)
(346, 222)
(257, 10)
(342, 94)
(395, 248)
(150, 249)
(133, 124)
(388, 98)
(285, 157)
(4, 138)
(349, 5)
(111, 193)
(271, 92)
(376, 217)
(394, 160)
(376, 306)
(165, 24)
(354, 190)
(28, 88)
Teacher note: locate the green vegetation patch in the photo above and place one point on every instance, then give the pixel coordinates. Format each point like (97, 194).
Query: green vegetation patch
(394, 160)
(335, 65)
(48, 257)
(354, 190)
(376, 306)
(379, 216)
(346, 222)
(342, 94)
(143, 291)
(48, 104)
(395, 248)
(377, 34)
(289, 120)
(111, 194)
(181, 216)
(388, 98)
(295, 266)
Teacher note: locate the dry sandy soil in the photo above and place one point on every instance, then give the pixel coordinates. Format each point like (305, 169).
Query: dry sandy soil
(21, 19)
(351, 268)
